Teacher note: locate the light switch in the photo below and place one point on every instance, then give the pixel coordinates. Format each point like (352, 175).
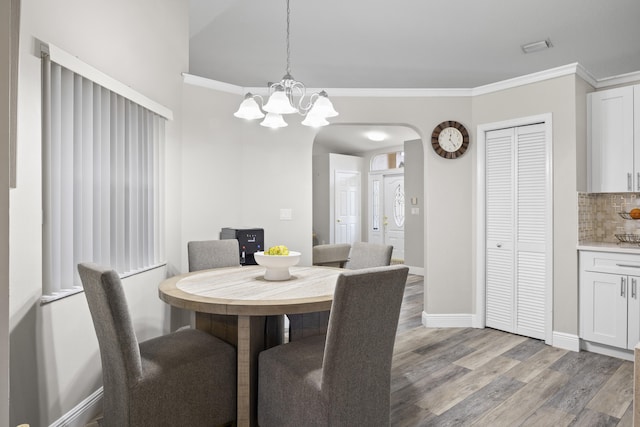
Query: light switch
(285, 214)
(415, 211)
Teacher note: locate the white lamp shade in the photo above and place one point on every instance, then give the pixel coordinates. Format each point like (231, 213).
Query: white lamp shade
(314, 121)
(278, 103)
(249, 110)
(273, 121)
(323, 107)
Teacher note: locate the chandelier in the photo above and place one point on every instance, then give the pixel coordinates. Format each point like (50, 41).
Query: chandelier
(288, 96)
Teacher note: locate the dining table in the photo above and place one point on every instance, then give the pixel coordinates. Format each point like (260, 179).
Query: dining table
(238, 305)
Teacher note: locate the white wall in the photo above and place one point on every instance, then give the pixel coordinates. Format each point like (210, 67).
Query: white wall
(582, 90)
(321, 193)
(414, 174)
(144, 44)
(449, 184)
(277, 165)
(5, 117)
(240, 174)
(556, 96)
(222, 172)
(211, 164)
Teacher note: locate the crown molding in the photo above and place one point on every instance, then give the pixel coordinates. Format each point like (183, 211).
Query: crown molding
(622, 79)
(586, 75)
(565, 70)
(397, 92)
(334, 92)
(194, 80)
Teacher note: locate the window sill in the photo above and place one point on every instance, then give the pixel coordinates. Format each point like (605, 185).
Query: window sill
(46, 299)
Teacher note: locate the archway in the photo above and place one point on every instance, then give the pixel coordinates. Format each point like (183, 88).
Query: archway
(339, 143)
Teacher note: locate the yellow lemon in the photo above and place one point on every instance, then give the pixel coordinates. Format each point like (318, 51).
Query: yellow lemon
(278, 250)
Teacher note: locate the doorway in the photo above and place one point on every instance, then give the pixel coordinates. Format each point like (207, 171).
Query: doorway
(387, 212)
(351, 140)
(394, 215)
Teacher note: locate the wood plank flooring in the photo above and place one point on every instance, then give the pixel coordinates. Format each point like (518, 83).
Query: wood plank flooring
(485, 377)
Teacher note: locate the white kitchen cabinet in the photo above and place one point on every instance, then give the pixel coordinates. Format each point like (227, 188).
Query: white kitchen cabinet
(609, 298)
(614, 148)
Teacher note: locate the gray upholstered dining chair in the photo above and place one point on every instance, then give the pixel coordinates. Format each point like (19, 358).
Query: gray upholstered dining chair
(207, 254)
(366, 255)
(307, 324)
(331, 255)
(184, 378)
(361, 255)
(342, 378)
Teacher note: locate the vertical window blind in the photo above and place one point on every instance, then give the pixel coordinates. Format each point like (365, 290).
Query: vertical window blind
(101, 181)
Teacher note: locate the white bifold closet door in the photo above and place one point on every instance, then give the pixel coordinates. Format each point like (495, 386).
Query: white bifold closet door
(516, 206)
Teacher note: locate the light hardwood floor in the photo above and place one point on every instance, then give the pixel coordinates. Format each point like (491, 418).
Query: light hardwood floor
(485, 377)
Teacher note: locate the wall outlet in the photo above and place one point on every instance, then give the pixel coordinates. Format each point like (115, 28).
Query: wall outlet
(286, 215)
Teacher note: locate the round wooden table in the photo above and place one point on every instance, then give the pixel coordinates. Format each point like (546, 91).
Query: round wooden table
(232, 303)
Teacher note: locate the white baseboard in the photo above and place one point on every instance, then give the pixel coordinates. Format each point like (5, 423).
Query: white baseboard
(83, 412)
(607, 350)
(462, 320)
(416, 270)
(565, 341)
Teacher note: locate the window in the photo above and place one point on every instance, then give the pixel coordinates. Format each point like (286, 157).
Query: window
(101, 180)
(385, 161)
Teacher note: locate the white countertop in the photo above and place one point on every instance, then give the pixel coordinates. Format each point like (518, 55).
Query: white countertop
(628, 248)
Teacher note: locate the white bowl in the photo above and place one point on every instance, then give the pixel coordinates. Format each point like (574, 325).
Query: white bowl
(277, 266)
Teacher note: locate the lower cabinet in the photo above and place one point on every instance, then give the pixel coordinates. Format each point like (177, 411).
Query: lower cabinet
(610, 299)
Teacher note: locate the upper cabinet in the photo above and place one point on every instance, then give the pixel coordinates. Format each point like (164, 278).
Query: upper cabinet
(614, 148)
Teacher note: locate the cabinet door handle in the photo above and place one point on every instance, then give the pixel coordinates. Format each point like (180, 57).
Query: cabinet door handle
(633, 288)
(627, 265)
(622, 286)
(629, 187)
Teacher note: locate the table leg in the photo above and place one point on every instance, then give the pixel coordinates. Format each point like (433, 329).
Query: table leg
(250, 335)
(250, 344)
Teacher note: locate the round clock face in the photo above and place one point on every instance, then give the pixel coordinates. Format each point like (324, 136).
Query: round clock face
(450, 139)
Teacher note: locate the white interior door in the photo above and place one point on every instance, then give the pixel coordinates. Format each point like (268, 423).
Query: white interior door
(517, 229)
(499, 230)
(347, 206)
(394, 214)
(531, 237)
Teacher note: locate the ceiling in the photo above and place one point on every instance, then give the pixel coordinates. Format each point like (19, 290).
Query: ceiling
(407, 43)
(352, 138)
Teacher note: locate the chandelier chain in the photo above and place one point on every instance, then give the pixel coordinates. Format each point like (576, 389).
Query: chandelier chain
(287, 96)
(288, 46)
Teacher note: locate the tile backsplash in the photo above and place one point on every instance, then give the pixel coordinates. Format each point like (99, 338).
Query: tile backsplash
(599, 219)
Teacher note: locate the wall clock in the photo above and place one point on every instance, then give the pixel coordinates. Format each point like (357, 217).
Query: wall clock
(450, 139)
